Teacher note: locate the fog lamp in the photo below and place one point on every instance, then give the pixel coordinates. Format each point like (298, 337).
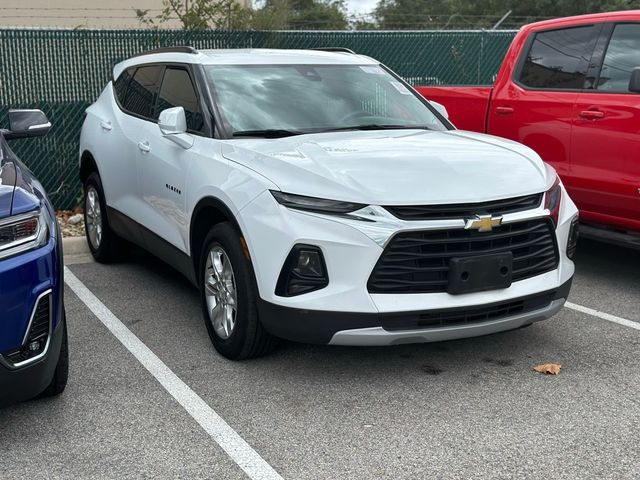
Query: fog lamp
(304, 271)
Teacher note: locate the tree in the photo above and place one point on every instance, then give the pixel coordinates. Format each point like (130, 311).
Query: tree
(200, 15)
(474, 14)
(301, 15)
(229, 15)
(274, 15)
(409, 14)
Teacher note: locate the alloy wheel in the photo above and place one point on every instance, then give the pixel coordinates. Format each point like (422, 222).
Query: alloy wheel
(220, 292)
(94, 217)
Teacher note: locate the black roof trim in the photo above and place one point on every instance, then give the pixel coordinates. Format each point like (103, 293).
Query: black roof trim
(178, 49)
(334, 49)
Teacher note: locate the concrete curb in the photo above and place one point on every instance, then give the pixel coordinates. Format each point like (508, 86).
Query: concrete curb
(75, 246)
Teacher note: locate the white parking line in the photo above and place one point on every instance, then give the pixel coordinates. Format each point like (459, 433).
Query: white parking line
(236, 447)
(603, 315)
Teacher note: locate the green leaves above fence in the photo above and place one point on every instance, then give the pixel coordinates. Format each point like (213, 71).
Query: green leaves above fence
(63, 71)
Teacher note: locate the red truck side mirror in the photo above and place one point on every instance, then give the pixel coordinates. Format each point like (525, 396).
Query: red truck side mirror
(634, 81)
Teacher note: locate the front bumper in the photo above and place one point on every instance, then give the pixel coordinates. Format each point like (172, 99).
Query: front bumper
(24, 278)
(345, 312)
(348, 328)
(27, 382)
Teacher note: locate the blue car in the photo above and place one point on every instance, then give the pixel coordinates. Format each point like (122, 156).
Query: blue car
(34, 357)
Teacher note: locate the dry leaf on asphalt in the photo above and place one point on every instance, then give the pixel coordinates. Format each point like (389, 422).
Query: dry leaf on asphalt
(548, 368)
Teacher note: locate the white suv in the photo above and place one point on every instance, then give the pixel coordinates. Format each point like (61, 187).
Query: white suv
(315, 196)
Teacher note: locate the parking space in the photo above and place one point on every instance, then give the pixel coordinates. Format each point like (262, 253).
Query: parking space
(464, 409)
(608, 279)
(113, 421)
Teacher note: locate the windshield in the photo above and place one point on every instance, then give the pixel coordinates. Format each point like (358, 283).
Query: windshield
(293, 99)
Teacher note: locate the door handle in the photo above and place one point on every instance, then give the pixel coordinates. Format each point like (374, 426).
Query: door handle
(591, 114)
(106, 125)
(504, 110)
(144, 147)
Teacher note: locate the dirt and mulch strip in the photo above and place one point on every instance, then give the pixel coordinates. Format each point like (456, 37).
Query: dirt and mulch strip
(71, 222)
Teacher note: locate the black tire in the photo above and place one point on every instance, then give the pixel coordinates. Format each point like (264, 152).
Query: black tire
(61, 373)
(110, 247)
(248, 338)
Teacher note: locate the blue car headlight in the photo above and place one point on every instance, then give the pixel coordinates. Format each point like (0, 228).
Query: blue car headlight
(24, 232)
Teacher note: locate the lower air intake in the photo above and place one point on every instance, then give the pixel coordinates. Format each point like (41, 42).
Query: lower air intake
(38, 336)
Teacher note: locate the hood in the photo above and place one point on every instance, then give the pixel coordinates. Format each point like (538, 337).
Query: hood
(395, 167)
(17, 192)
(7, 181)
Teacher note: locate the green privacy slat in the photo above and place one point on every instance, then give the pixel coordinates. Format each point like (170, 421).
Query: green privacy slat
(63, 71)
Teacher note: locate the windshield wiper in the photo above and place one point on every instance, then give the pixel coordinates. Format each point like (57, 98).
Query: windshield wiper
(375, 126)
(280, 132)
(267, 133)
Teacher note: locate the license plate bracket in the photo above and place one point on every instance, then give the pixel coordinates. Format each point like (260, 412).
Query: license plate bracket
(480, 273)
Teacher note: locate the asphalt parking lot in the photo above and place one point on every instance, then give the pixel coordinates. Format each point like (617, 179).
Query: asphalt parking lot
(463, 409)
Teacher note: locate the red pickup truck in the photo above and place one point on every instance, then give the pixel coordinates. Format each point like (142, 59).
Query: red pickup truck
(570, 89)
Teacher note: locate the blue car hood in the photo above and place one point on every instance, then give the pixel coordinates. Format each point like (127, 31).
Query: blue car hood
(18, 187)
(7, 184)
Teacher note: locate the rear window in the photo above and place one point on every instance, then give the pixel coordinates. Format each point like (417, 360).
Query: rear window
(623, 55)
(559, 59)
(141, 92)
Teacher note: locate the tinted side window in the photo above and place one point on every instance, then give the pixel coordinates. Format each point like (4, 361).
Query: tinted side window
(177, 91)
(559, 59)
(121, 84)
(623, 55)
(142, 88)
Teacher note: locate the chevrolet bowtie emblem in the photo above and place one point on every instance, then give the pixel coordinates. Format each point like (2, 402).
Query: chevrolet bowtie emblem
(483, 223)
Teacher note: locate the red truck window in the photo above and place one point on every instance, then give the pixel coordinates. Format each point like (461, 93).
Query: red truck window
(559, 59)
(623, 55)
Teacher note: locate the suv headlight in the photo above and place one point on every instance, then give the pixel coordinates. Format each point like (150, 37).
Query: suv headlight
(552, 198)
(24, 232)
(313, 204)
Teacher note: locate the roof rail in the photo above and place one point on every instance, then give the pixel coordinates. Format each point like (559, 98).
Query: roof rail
(334, 49)
(179, 49)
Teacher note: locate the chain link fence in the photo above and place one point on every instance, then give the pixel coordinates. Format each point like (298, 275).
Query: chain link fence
(63, 71)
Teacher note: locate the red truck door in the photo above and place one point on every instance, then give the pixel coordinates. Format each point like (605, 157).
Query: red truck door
(605, 151)
(535, 105)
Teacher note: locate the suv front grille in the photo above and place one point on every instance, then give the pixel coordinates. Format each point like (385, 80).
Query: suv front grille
(467, 315)
(465, 210)
(418, 262)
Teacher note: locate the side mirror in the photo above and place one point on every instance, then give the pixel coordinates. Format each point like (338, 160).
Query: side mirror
(27, 123)
(173, 125)
(634, 81)
(442, 110)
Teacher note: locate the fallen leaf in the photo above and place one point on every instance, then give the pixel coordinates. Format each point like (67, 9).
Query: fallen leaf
(548, 368)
